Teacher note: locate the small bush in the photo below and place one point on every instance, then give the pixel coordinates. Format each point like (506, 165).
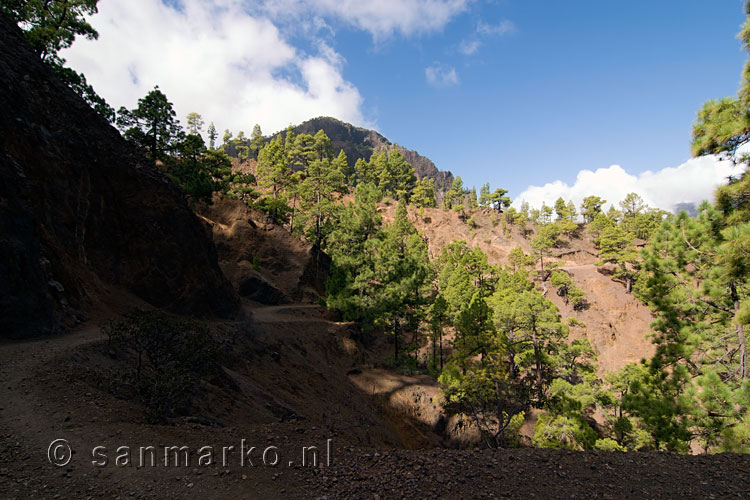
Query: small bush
(608, 444)
(568, 289)
(574, 322)
(563, 432)
(166, 358)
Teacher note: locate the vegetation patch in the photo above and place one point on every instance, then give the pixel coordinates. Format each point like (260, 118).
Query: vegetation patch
(164, 358)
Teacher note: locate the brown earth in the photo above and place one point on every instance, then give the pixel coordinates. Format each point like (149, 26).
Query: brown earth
(616, 323)
(292, 386)
(287, 387)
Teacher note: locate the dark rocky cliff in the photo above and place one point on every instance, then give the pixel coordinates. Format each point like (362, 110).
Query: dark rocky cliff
(80, 208)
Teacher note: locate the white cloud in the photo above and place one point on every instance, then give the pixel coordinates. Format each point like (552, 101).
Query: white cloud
(483, 31)
(214, 58)
(441, 76)
(692, 182)
(381, 19)
(504, 27)
(469, 47)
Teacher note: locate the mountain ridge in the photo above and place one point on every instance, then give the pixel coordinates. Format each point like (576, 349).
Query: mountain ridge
(359, 142)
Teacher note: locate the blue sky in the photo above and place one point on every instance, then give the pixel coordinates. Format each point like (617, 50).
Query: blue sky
(580, 84)
(514, 92)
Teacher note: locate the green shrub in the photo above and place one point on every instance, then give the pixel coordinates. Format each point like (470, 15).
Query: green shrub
(608, 444)
(166, 357)
(568, 289)
(563, 432)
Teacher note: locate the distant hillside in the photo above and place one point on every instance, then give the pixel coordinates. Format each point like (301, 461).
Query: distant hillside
(614, 322)
(358, 143)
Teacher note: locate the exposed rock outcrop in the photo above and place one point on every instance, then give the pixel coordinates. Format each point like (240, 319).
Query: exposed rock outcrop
(264, 261)
(80, 209)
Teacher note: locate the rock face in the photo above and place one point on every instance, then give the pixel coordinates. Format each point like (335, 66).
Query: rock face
(264, 262)
(79, 209)
(361, 143)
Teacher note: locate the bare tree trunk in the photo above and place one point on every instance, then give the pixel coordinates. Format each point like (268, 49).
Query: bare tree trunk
(538, 359)
(740, 332)
(294, 206)
(434, 349)
(414, 343)
(441, 350)
(395, 342)
(743, 351)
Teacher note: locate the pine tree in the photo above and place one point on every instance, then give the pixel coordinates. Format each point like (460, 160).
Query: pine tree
(498, 199)
(597, 226)
(212, 136)
(424, 194)
(377, 171)
(341, 163)
(616, 247)
(352, 246)
(484, 196)
(363, 174)
(256, 140)
(518, 259)
(240, 144)
(322, 145)
(591, 206)
(52, 25)
(571, 211)
(437, 315)
(543, 242)
(613, 214)
(472, 202)
(400, 178)
(475, 330)
(455, 195)
(226, 139)
(405, 273)
(463, 271)
(290, 147)
(152, 125)
(696, 281)
(567, 288)
(561, 209)
(545, 214)
(274, 174)
(531, 324)
(322, 184)
(194, 123)
(632, 205)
